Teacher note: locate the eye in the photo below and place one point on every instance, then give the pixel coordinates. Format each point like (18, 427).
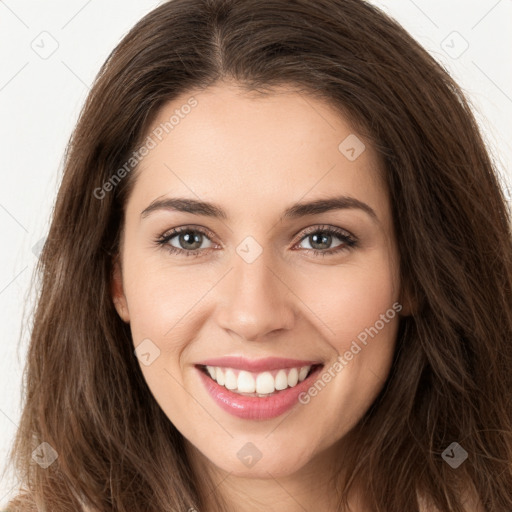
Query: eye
(321, 237)
(187, 240)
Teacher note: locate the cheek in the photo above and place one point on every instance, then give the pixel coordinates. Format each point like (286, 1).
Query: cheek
(349, 299)
(161, 300)
(162, 319)
(360, 313)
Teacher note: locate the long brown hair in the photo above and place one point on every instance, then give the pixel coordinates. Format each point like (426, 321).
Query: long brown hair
(451, 380)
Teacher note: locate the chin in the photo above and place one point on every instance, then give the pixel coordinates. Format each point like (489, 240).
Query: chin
(246, 460)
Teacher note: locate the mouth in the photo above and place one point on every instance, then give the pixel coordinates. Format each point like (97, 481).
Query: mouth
(258, 384)
(257, 390)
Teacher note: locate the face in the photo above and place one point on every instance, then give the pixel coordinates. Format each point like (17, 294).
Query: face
(264, 328)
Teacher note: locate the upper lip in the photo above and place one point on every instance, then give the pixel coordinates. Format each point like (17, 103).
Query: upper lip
(256, 365)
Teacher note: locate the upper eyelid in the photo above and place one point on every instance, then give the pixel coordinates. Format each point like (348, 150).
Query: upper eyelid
(324, 227)
(171, 233)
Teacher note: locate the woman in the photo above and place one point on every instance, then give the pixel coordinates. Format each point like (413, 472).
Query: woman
(338, 332)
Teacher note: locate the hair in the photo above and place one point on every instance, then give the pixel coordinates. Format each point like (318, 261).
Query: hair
(84, 393)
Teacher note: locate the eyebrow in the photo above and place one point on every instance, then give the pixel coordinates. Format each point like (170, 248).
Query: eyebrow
(297, 210)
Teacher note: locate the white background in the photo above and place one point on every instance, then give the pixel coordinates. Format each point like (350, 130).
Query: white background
(40, 100)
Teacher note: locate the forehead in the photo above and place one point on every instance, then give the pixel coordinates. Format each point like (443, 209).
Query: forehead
(234, 146)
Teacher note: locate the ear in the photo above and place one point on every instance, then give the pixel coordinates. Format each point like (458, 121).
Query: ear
(117, 291)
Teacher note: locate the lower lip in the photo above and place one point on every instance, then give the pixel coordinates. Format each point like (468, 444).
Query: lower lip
(252, 407)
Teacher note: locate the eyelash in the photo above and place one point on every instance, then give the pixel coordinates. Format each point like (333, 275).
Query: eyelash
(348, 241)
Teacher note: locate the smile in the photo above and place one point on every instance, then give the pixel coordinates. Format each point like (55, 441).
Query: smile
(256, 390)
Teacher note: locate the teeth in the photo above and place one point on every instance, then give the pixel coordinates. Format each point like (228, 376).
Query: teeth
(230, 380)
(211, 371)
(219, 376)
(303, 372)
(293, 377)
(246, 382)
(265, 383)
(257, 384)
(281, 380)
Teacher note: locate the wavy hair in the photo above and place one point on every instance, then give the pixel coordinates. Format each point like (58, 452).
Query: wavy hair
(451, 378)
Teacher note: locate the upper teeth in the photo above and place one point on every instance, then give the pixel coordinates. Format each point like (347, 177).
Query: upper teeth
(242, 381)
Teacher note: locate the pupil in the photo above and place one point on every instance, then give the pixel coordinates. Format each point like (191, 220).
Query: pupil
(189, 238)
(324, 240)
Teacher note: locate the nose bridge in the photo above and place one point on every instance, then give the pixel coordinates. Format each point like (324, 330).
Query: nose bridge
(255, 301)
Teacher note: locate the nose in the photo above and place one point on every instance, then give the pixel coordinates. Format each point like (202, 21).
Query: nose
(255, 300)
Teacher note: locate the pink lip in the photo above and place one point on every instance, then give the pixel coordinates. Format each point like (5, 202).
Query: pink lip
(255, 408)
(256, 365)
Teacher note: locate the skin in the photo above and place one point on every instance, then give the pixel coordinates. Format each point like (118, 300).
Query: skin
(255, 156)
